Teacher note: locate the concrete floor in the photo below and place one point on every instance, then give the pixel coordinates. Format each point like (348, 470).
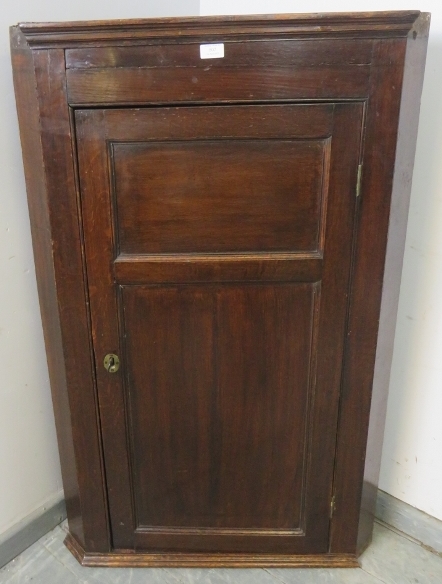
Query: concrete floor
(391, 559)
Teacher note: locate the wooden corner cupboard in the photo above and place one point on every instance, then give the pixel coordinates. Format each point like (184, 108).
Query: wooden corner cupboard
(218, 210)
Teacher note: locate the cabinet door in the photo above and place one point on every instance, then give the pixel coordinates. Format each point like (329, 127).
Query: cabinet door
(218, 246)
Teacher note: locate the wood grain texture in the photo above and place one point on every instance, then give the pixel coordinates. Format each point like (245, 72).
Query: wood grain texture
(378, 157)
(95, 186)
(279, 267)
(148, 335)
(270, 53)
(213, 28)
(377, 211)
(211, 271)
(215, 121)
(219, 379)
(29, 123)
(67, 252)
(219, 196)
(146, 86)
(182, 560)
(46, 143)
(412, 82)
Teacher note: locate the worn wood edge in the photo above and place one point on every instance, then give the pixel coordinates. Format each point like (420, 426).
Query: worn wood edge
(146, 560)
(412, 522)
(362, 501)
(412, 84)
(214, 258)
(388, 23)
(29, 121)
(30, 86)
(421, 26)
(57, 141)
(30, 529)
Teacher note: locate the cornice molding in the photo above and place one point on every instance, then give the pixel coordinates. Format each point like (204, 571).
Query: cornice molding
(356, 24)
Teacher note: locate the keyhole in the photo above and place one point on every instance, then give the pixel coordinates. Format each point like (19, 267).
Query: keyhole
(111, 363)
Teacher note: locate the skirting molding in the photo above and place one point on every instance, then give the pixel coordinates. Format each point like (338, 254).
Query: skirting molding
(27, 531)
(415, 524)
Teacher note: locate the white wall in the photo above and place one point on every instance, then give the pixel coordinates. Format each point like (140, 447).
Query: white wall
(30, 472)
(412, 455)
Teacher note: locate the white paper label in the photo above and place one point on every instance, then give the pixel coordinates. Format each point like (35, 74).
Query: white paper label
(212, 51)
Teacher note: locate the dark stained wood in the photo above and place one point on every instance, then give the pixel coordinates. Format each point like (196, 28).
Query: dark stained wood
(94, 179)
(338, 169)
(416, 49)
(379, 221)
(369, 258)
(221, 196)
(46, 140)
(71, 292)
(286, 53)
(145, 86)
(338, 244)
(236, 308)
(180, 560)
(224, 373)
(218, 28)
(279, 267)
(29, 122)
(187, 123)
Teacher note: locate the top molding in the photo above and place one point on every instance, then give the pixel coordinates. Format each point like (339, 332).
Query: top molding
(145, 31)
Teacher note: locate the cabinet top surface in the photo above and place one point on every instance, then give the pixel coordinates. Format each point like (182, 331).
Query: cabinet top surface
(353, 24)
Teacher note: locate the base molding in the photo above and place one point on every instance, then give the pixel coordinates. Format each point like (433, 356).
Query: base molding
(412, 522)
(189, 560)
(27, 531)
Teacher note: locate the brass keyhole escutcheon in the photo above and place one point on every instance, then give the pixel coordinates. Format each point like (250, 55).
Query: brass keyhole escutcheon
(111, 363)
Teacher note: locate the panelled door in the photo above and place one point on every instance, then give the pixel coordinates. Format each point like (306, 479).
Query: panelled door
(218, 247)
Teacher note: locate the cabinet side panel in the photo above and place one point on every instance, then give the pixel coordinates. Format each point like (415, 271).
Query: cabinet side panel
(366, 291)
(52, 194)
(69, 269)
(29, 123)
(405, 151)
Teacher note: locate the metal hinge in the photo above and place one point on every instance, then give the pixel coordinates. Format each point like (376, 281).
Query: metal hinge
(358, 181)
(332, 506)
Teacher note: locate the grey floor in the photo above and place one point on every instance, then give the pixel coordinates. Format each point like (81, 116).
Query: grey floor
(391, 559)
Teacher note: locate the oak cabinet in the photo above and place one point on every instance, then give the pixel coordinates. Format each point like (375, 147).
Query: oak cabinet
(216, 240)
